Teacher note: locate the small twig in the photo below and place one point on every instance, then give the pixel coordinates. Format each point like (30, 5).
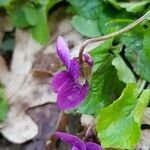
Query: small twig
(60, 126)
(62, 122)
(108, 36)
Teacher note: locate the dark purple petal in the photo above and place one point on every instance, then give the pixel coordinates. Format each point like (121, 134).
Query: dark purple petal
(74, 68)
(88, 59)
(93, 146)
(63, 51)
(71, 95)
(72, 140)
(59, 79)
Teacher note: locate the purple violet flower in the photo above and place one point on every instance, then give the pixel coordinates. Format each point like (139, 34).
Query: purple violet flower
(66, 83)
(77, 144)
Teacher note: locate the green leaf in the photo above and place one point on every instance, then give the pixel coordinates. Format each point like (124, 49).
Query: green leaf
(32, 14)
(118, 125)
(86, 8)
(113, 3)
(135, 54)
(101, 54)
(134, 7)
(123, 71)
(40, 32)
(146, 43)
(18, 18)
(36, 18)
(48, 4)
(143, 66)
(4, 3)
(3, 104)
(133, 43)
(117, 24)
(22, 14)
(101, 91)
(112, 20)
(8, 44)
(3, 110)
(85, 26)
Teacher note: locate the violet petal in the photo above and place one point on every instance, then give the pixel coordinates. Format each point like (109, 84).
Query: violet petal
(88, 59)
(75, 148)
(63, 51)
(93, 146)
(74, 68)
(72, 140)
(59, 79)
(71, 95)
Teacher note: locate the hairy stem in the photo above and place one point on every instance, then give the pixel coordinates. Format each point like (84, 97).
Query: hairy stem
(108, 36)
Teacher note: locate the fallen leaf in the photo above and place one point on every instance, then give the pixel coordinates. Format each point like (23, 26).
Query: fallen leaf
(45, 64)
(145, 140)
(146, 118)
(87, 120)
(46, 117)
(6, 24)
(4, 73)
(23, 90)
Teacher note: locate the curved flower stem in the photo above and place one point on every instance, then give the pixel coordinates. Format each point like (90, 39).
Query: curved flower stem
(60, 126)
(108, 36)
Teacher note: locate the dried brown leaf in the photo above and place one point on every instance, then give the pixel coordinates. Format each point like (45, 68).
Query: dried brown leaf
(146, 118)
(24, 90)
(45, 64)
(46, 117)
(145, 140)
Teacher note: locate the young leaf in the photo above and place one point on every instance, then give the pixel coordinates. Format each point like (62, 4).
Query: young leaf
(143, 66)
(33, 15)
(101, 91)
(40, 32)
(119, 124)
(123, 71)
(113, 3)
(134, 7)
(112, 20)
(134, 52)
(30, 14)
(86, 8)
(3, 104)
(4, 3)
(133, 43)
(146, 43)
(18, 18)
(87, 27)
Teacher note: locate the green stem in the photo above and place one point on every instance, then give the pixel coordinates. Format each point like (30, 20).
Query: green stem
(108, 36)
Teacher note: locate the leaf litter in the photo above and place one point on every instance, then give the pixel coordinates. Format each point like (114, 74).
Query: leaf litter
(27, 86)
(27, 89)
